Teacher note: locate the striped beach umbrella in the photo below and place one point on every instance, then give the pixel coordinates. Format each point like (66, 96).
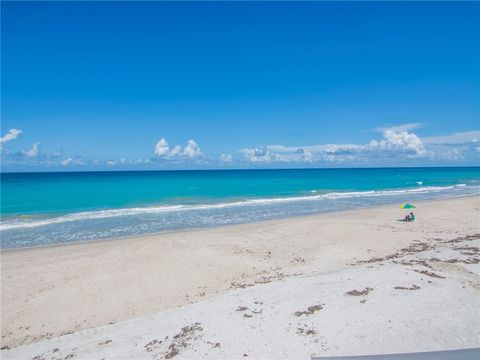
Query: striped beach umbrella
(407, 206)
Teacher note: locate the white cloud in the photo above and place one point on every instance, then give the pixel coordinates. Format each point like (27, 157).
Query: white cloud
(177, 150)
(262, 154)
(33, 152)
(78, 162)
(394, 144)
(139, 161)
(400, 142)
(397, 145)
(67, 162)
(162, 149)
(225, 158)
(307, 156)
(190, 151)
(461, 146)
(111, 162)
(11, 134)
(280, 153)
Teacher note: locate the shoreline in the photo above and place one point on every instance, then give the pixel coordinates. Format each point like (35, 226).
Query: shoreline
(266, 222)
(96, 283)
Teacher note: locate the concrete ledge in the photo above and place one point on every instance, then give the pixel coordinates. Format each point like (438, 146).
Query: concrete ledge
(463, 354)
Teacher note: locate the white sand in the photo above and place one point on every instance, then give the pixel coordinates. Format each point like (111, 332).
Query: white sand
(74, 287)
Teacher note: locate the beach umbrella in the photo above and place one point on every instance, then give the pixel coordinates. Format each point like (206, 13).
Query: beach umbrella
(407, 206)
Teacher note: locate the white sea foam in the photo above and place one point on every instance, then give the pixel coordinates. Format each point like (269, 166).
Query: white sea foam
(100, 214)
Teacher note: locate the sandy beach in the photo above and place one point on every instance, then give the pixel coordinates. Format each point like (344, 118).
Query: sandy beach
(354, 282)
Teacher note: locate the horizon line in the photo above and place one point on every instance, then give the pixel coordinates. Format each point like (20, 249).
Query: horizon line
(244, 169)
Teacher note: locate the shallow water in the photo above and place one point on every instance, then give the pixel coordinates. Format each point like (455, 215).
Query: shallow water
(45, 208)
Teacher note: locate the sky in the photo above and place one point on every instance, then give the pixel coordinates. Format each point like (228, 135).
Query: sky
(163, 85)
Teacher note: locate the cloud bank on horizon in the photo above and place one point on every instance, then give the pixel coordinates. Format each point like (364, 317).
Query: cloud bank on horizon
(396, 146)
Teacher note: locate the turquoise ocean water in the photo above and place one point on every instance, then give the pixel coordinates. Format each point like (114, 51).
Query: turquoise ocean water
(45, 208)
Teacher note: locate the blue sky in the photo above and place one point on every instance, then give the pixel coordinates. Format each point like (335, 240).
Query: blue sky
(156, 85)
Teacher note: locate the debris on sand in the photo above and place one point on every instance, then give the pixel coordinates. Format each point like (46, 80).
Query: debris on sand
(181, 340)
(377, 259)
(359, 292)
(302, 331)
(310, 310)
(420, 247)
(152, 345)
(467, 250)
(416, 262)
(429, 273)
(413, 287)
(416, 248)
(214, 345)
(234, 285)
(298, 259)
(464, 238)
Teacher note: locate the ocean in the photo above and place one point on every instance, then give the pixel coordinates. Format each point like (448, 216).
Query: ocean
(51, 208)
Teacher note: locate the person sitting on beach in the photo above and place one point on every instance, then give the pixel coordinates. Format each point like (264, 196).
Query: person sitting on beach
(409, 217)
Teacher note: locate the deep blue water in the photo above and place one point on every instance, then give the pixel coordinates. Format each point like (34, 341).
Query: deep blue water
(44, 208)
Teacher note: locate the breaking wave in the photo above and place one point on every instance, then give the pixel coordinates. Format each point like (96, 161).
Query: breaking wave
(19, 223)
